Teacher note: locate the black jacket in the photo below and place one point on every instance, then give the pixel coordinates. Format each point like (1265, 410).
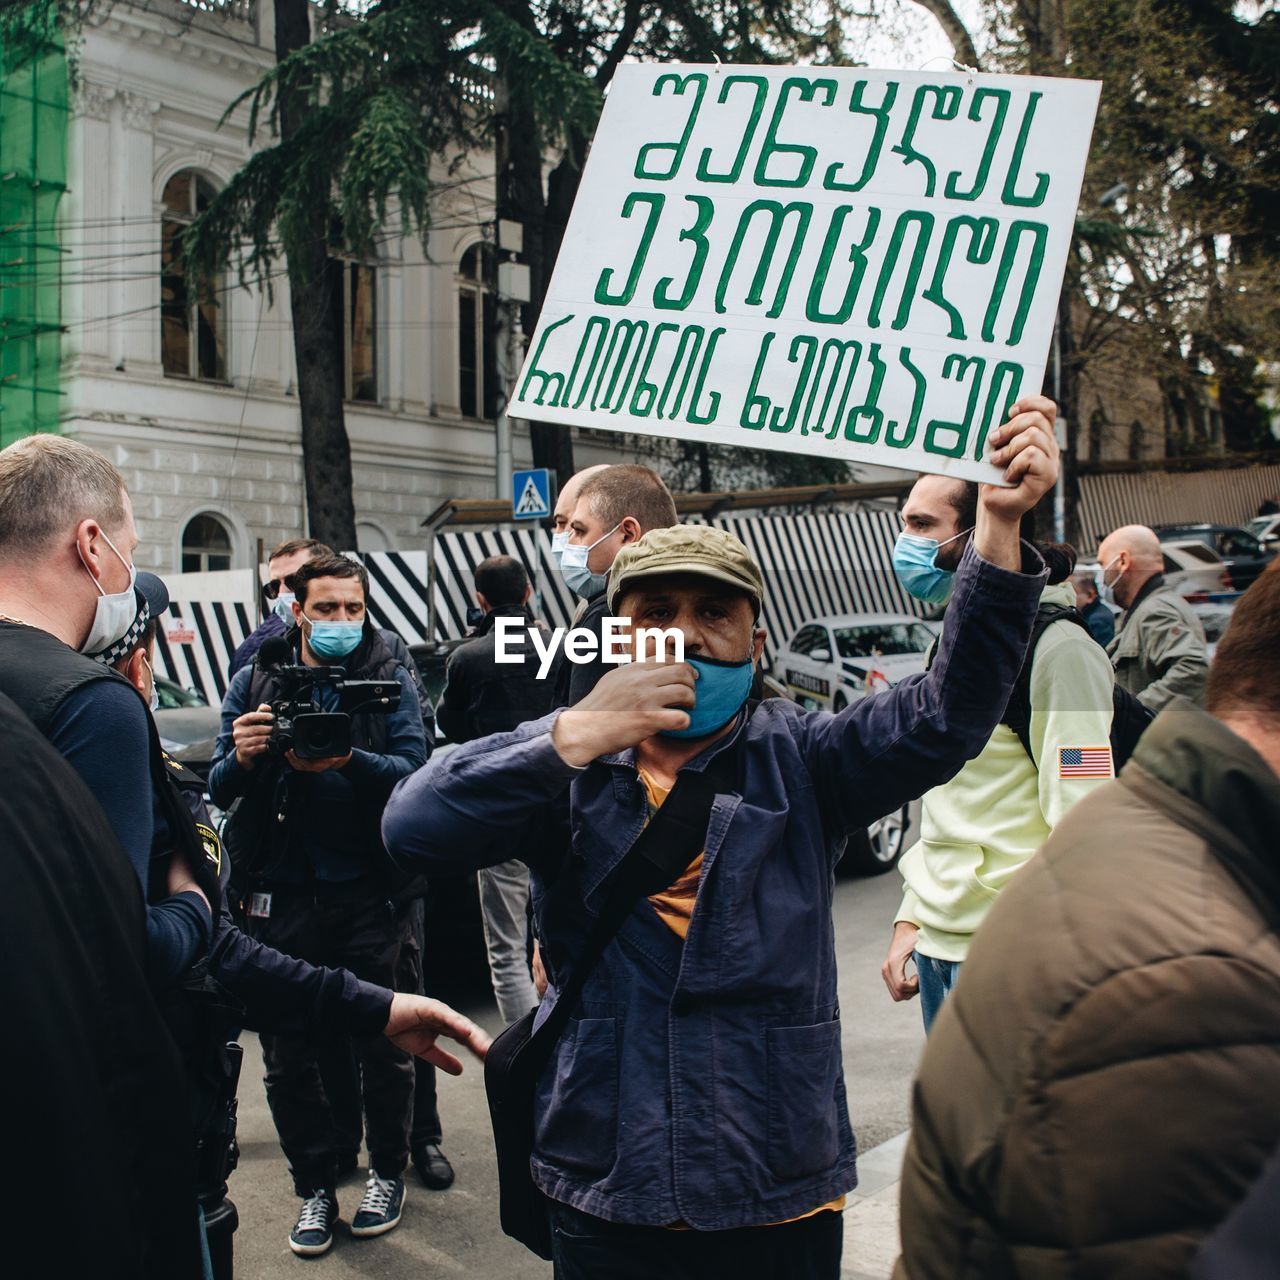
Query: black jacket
(92, 1077)
(277, 993)
(574, 680)
(287, 824)
(483, 696)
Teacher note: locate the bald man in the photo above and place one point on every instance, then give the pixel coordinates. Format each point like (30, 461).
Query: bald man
(1159, 652)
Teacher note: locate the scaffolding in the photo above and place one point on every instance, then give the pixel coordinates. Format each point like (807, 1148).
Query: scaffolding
(33, 172)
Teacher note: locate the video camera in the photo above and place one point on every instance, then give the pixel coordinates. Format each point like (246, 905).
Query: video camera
(299, 727)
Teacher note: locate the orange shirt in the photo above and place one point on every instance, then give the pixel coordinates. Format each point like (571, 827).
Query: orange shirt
(675, 909)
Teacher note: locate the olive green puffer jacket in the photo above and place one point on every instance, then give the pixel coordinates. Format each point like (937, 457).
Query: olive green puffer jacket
(1104, 1083)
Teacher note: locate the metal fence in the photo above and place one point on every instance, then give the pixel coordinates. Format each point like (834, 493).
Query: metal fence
(1156, 497)
(813, 565)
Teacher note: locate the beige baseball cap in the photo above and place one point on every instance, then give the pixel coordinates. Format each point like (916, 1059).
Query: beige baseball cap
(687, 548)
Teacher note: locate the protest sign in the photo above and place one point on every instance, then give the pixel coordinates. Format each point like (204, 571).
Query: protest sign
(828, 261)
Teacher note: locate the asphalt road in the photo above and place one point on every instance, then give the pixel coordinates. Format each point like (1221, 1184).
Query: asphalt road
(455, 1232)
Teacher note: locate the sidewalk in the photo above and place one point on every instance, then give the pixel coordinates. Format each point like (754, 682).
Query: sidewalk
(871, 1215)
(455, 1233)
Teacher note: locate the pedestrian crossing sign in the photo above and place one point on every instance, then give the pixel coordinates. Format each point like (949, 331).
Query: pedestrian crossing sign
(531, 494)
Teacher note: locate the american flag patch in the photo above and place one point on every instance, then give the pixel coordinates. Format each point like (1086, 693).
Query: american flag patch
(1084, 762)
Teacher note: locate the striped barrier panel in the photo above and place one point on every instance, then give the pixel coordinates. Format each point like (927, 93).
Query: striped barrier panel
(812, 564)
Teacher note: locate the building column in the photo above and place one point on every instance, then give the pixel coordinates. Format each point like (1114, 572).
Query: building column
(136, 300)
(97, 252)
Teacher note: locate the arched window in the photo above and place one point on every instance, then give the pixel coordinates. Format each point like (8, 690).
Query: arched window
(206, 544)
(192, 331)
(355, 296)
(477, 334)
(370, 538)
(1136, 433)
(1097, 428)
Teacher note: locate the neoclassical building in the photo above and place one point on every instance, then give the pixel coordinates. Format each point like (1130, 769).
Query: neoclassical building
(192, 392)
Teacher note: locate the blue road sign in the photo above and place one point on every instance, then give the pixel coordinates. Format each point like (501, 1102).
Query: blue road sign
(531, 494)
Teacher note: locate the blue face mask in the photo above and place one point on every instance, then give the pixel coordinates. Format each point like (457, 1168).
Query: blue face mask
(334, 639)
(559, 541)
(721, 690)
(573, 567)
(915, 564)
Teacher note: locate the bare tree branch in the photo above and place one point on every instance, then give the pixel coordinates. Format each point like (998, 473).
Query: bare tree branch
(955, 30)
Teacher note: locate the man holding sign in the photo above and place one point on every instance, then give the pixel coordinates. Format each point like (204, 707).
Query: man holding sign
(696, 1094)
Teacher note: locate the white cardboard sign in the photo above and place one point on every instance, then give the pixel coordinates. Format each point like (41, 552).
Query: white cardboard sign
(829, 261)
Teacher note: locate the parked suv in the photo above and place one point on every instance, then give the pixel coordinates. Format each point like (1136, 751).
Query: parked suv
(1267, 530)
(1242, 553)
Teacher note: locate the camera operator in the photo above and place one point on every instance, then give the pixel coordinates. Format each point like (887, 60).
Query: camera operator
(305, 831)
(246, 983)
(339, 1067)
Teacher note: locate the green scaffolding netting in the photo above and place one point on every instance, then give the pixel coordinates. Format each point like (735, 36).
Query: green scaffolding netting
(33, 174)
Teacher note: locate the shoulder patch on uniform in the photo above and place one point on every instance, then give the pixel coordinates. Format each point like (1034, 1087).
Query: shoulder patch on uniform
(211, 844)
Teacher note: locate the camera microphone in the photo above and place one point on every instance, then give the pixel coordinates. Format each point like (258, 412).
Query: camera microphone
(274, 652)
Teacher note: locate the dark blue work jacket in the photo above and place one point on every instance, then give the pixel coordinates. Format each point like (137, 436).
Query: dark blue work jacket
(701, 1082)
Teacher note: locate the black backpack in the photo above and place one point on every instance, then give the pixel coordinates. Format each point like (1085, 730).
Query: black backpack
(1129, 718)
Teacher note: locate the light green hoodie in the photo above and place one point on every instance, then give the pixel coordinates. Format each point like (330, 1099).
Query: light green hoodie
(979, 828)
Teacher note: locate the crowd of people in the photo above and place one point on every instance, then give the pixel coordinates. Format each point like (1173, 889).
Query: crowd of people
(1096, 956)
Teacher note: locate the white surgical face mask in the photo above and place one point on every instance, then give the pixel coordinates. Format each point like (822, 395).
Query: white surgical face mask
(559, 540)
(283, 607)
(115, 613)
(574, 570)
(1107, 590)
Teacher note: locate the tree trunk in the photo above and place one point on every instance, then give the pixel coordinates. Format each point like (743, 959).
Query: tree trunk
(1068, 406)
(317, 337)
(954, 29)
(521, 198)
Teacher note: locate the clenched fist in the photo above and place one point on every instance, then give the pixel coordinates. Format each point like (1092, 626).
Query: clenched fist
(628, 705)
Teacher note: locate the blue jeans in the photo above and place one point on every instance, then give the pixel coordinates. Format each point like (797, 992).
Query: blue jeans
(937, 977)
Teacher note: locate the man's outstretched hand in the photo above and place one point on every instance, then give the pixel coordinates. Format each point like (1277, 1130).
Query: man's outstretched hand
(1027, 450)
(415, 1023)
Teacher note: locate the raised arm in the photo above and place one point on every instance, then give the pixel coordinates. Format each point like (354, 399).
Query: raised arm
(888, 749)
(485, 802)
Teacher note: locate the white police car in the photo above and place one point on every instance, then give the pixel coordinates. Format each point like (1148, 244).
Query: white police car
(833, 661)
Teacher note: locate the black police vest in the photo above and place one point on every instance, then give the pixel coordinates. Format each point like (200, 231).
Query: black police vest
(40, 673)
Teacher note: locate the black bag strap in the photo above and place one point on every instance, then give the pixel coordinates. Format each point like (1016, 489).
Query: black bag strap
(1017, 712)
(671, 839)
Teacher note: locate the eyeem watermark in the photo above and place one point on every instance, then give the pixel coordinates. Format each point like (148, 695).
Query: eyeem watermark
(581, 645)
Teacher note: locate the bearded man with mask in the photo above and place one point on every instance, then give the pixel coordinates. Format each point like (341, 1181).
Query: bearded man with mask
(306, 832)
(697, 1083)
(67, 539)
(1051, 749)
